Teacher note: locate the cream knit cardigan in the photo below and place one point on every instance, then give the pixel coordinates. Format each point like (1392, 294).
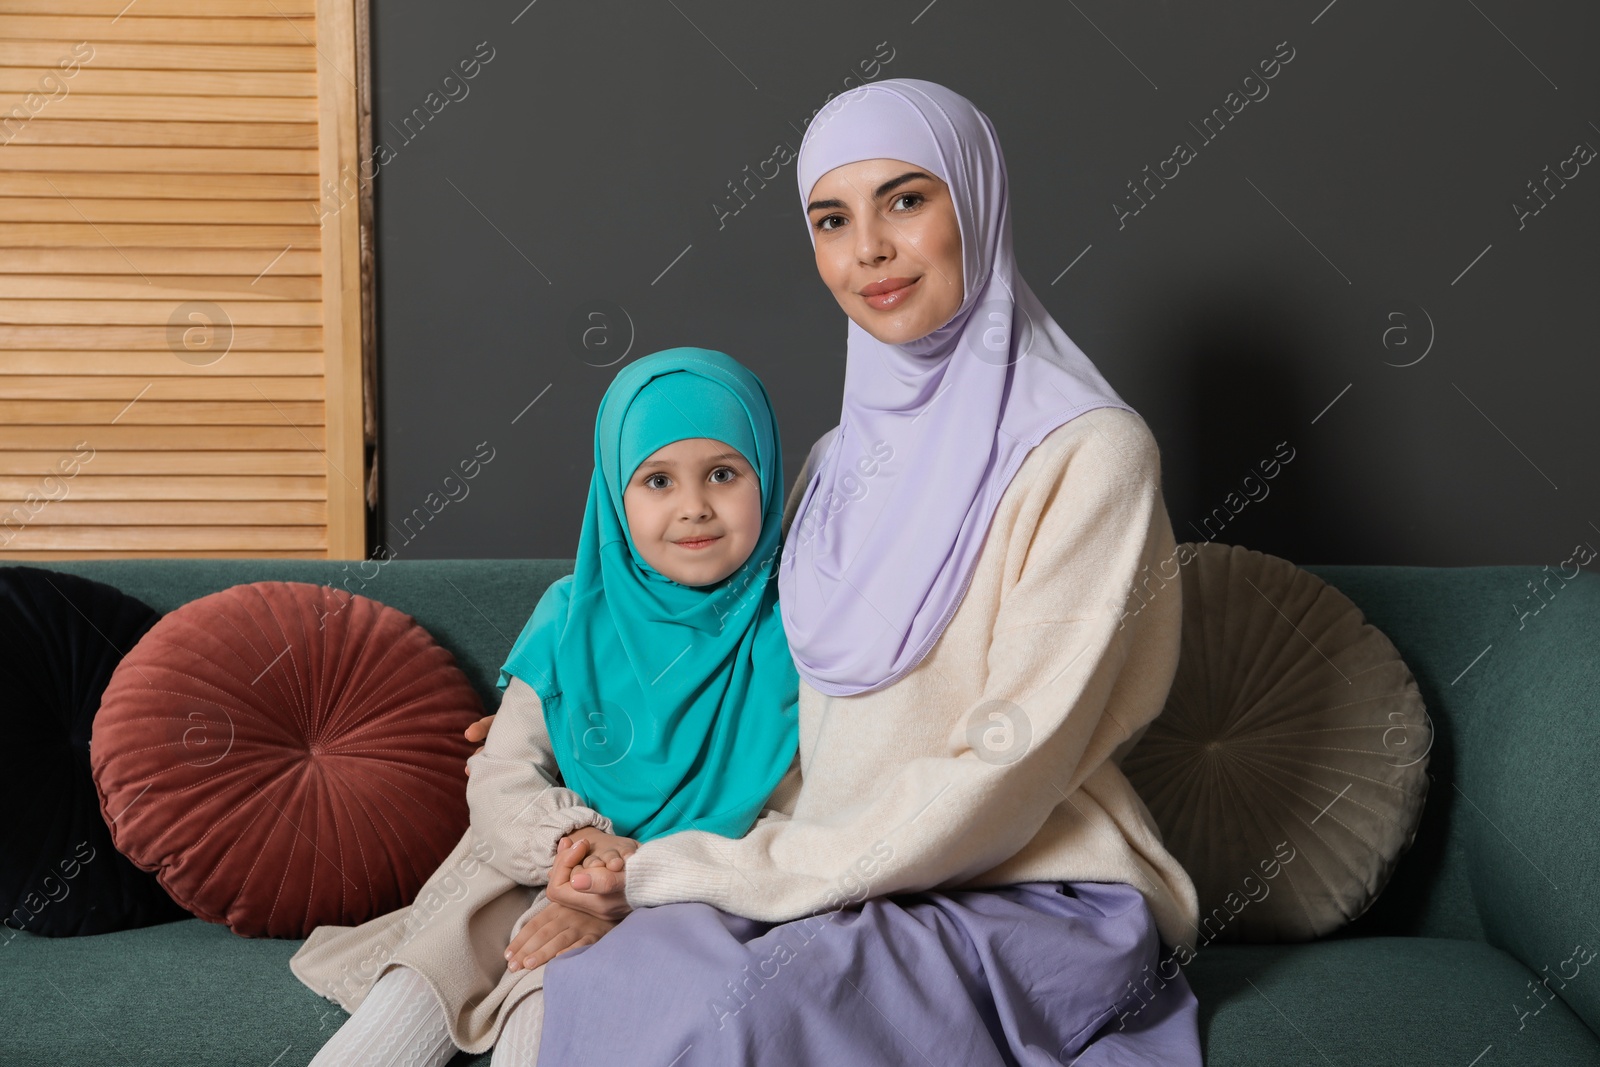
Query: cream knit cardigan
(996, 760)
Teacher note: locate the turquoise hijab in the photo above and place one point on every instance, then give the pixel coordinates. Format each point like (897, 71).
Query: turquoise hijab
(669, 707)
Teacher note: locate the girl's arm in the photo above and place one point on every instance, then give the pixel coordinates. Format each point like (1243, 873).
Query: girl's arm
(1056, 659)
(518, 804)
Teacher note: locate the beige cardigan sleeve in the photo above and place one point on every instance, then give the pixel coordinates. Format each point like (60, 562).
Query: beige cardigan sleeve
(514, 792)
(1057, 647)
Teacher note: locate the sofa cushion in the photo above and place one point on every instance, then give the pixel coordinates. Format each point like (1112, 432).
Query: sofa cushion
(1288, 769)
(1380, 1000)
(60, 638)
(288, 755)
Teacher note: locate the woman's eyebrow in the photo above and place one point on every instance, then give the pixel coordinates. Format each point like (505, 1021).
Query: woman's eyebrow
(877, 193)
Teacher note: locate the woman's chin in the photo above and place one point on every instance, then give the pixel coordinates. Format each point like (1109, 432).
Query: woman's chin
(893, 332)
(911, 325)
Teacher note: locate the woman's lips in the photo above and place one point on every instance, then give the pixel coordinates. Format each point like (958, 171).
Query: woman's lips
(891, 292)
(697, 543)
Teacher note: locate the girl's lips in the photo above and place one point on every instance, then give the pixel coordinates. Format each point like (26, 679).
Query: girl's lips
(892, 298)
(697, 543)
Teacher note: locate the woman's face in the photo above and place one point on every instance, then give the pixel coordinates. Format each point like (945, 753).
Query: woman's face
(888, 246)
(694, 510)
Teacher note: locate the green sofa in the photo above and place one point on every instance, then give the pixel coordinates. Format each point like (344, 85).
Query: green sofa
(1500, 890)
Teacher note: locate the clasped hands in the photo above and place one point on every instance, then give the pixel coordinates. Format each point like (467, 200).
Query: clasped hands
(586, 898)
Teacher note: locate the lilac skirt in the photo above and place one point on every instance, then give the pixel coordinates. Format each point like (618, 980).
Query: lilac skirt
(1041, 973)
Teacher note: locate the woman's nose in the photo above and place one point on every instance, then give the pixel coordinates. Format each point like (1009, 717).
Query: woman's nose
(874, 239)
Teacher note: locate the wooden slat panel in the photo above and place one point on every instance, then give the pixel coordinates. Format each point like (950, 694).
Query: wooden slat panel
(152, 312)
(93, 413)
(245, 338)
(121, 9)
(65, 439)
(154, 235)
(154, 261)
(106, 387)
(119, 538)
(149, 364)
(184, 165)
(122, 553)
(341, 282)
(91, 486)
(69, 512)
(159, 160)
(236, 212)
(117, 55)
(113, 185)
(168, 288)
(187, 108)
(95, 80)
(117, 132)
(105, 462)
(60, 27)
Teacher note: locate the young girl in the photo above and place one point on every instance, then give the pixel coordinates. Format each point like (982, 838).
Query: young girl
(651, 691)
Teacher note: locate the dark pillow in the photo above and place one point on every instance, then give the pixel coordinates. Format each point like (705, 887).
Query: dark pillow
(60, 876)
(289, 755)
(1288, 770)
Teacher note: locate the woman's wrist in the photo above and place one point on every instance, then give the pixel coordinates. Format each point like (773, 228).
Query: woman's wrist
(674, 869)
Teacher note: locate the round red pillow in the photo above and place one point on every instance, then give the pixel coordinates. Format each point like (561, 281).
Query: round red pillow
(285, 755)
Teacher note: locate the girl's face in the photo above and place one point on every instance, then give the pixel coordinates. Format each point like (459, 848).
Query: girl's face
(694, 510)
(888, 246)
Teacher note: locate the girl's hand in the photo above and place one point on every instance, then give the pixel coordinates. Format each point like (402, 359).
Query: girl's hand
(605, 850)
(553, 931)
(477, 732)
(597, 891)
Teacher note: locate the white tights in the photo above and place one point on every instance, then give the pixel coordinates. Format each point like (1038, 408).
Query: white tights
(401, 1024)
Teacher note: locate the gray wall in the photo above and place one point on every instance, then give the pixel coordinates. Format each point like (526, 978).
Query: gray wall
(1342, 267)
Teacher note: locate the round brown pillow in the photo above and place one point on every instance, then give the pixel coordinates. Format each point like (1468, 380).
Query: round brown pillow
(1287, 771)
(285, 755)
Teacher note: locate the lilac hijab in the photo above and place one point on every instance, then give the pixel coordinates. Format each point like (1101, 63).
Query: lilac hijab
(889, 530)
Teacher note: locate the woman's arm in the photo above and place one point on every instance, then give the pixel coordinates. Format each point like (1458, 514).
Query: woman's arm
(1055, 662)
(518, 804)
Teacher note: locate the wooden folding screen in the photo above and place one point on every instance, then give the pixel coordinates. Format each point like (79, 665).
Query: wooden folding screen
(180, 279)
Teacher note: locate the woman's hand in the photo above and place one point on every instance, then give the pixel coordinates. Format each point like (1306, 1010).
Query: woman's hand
(553, 931)
(477, 732)
(597, 891)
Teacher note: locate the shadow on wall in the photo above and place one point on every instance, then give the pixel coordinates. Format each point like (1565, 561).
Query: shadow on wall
(1252, 467)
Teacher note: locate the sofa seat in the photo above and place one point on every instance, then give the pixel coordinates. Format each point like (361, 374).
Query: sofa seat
(183, 994)
(191, 994)
(1380, 1000)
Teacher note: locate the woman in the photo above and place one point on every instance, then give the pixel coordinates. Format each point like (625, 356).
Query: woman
(966, 876)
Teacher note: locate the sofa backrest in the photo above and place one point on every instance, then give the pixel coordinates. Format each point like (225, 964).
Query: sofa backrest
(1508, 661)
(474, 608)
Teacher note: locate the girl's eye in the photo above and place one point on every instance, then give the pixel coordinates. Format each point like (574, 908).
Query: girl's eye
(822, 223)
(657, 481)
(729, 471)
(916, 198)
